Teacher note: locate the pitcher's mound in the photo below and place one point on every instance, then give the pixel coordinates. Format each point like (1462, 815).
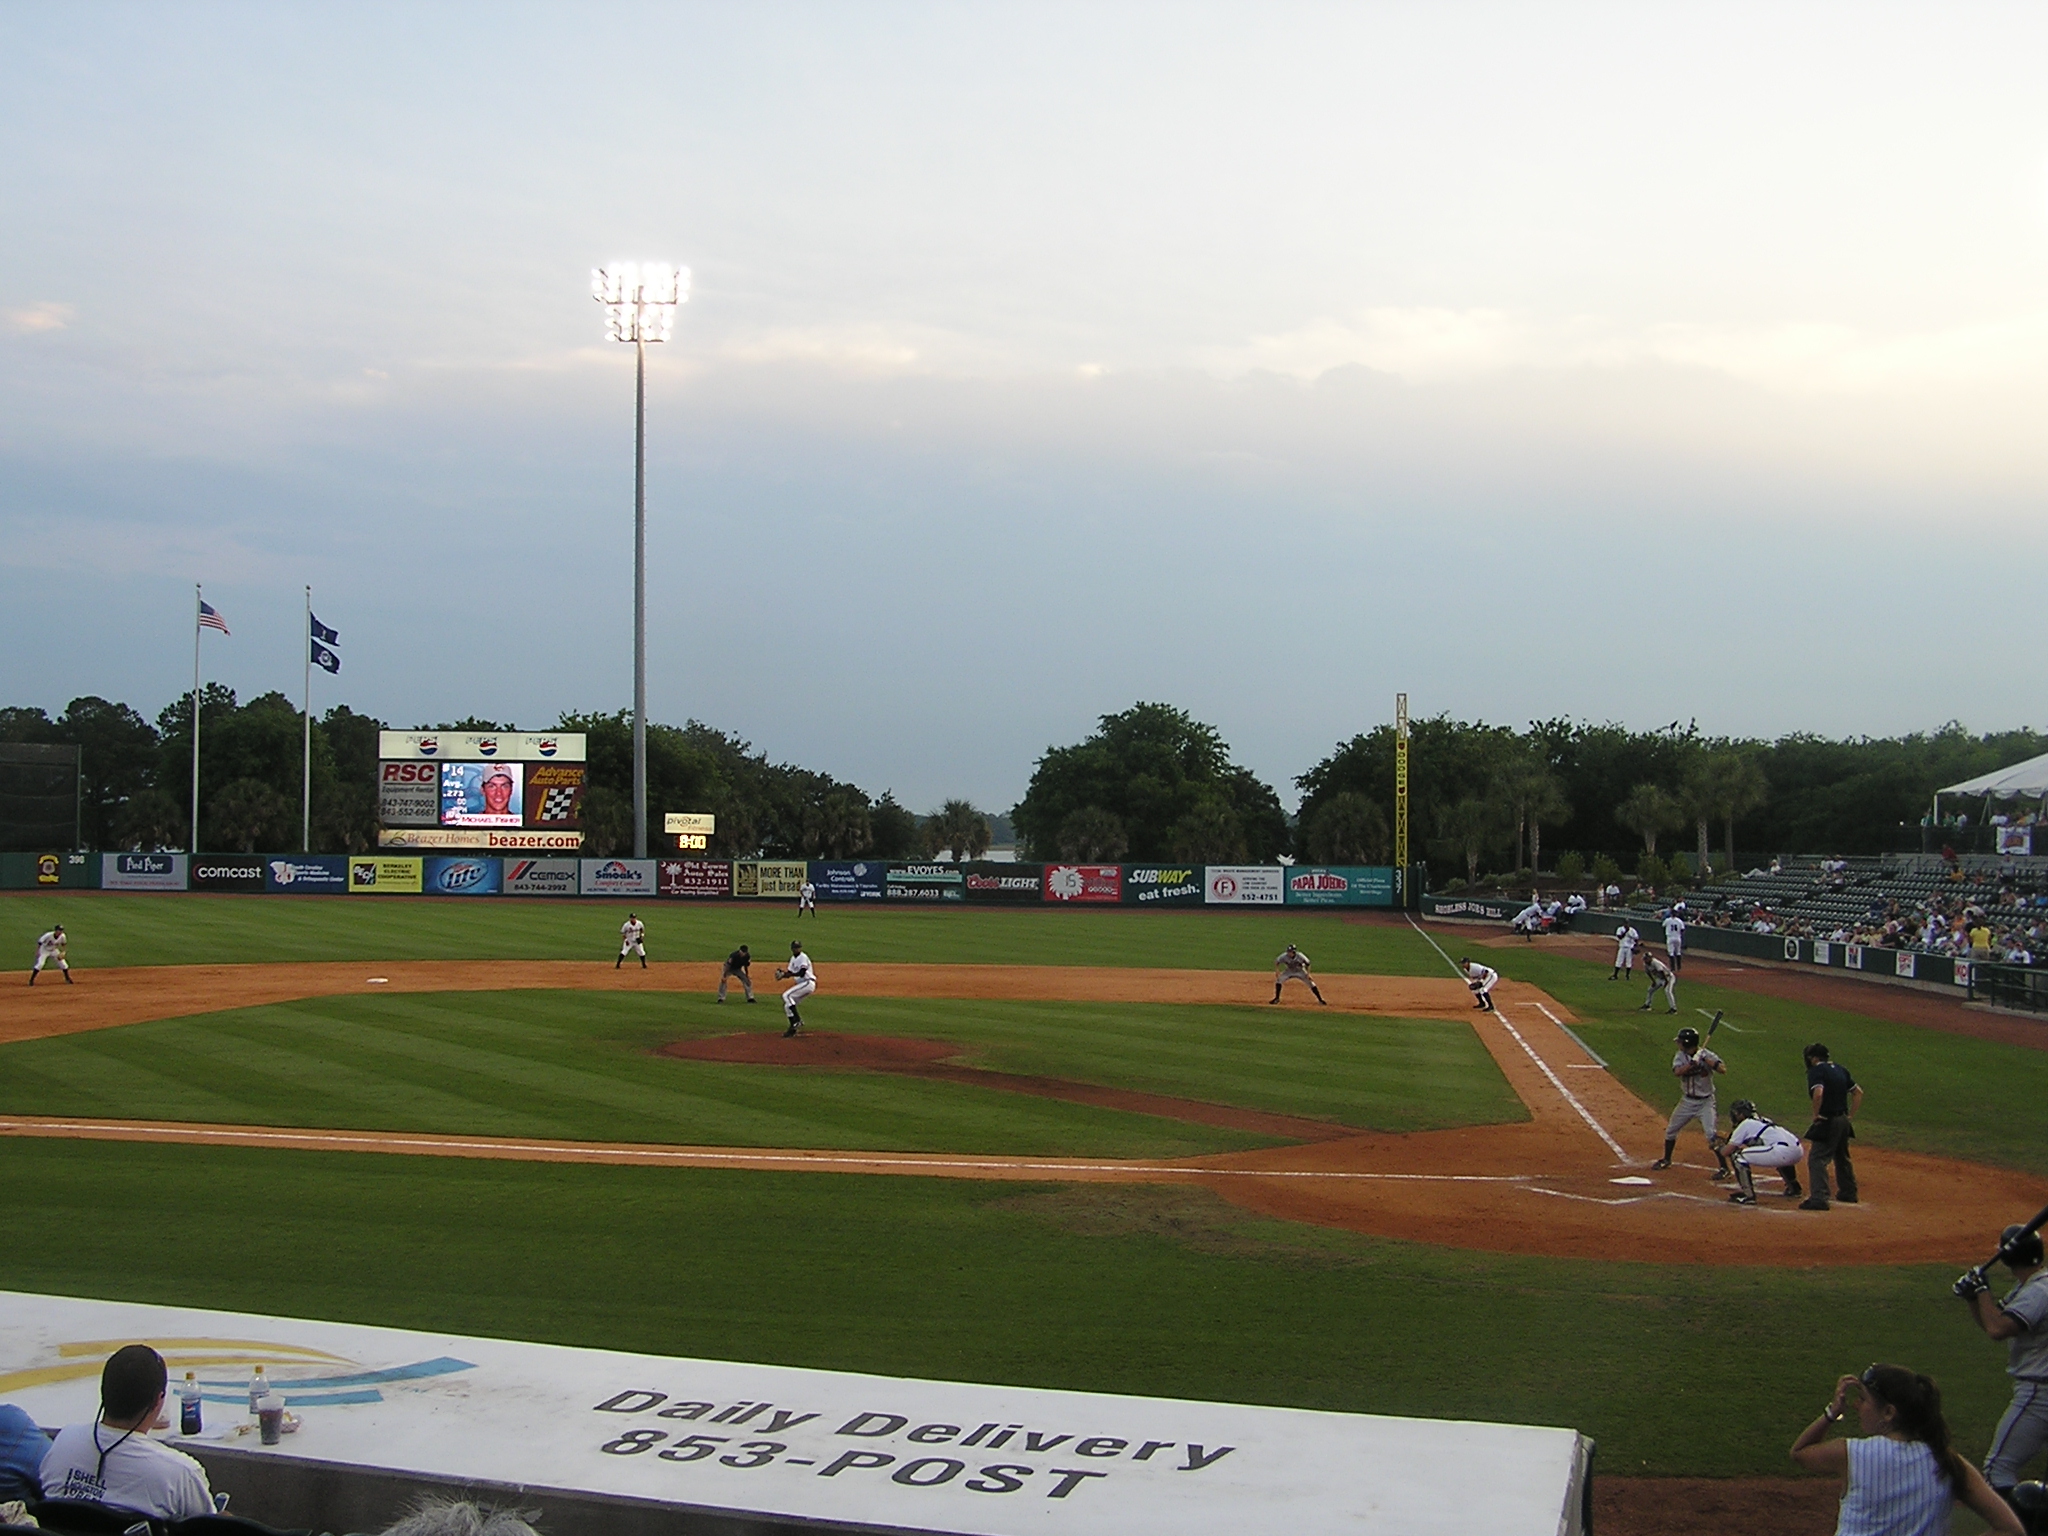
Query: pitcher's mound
(872, 1053)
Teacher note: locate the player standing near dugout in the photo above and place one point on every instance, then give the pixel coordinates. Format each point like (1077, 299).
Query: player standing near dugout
(1674, 938)
(1292, 965)
(2020, 1322)
(50, 946)
(632, 939)
(1625, 941)
(1694, 1066)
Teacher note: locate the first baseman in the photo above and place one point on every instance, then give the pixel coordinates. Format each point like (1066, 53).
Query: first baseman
(50, 946)
(1662, 978)
(736, 964)
(1625, 940)
(1480, 978)
(1694, 1066)
(632, 940)
(1757, 1141)
(1292, 965)
(2020, 1322)
(800, 971)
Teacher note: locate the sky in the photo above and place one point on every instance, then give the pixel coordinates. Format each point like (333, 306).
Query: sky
(1618, 362)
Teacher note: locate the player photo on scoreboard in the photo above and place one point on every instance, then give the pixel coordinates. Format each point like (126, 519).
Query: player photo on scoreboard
(481, 795)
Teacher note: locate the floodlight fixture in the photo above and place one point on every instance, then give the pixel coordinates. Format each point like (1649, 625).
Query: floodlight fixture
(640, 298)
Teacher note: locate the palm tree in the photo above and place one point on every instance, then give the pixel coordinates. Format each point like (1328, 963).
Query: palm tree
(1648, 811)
(957, 827)
(1469, 826)
(1696, 799)
(1546, 803)
(1091, 834)
(1739, 788)
(1347, 828)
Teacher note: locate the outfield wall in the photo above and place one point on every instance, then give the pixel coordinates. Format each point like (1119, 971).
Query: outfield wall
(676, 877)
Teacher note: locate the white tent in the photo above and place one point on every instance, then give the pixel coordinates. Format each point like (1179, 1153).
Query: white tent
(2029, 778)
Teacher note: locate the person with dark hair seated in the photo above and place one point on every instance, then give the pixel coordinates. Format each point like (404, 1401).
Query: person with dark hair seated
(113, 1461)
(1903, 1475)
(22, 1447)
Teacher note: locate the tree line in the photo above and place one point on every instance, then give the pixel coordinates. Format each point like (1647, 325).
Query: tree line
(1149, 784)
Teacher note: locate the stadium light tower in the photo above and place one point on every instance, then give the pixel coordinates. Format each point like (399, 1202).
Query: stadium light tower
(640, 302)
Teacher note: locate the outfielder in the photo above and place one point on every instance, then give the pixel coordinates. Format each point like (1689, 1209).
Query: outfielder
(800, 971)
(632, 940)
(50, 946)
(1674, 939)
(1662, 978)
(1480, 978)
(807, 899)
(1694, 1066)
(1292, 965)
(1757, 1141)
(736, 964)
(1625, 940)
(2020, 1322)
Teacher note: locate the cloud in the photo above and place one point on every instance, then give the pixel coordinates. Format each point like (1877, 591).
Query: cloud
(47, 315)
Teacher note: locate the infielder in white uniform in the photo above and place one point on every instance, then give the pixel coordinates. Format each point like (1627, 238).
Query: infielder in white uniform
(807, 899)
(50, 946)
(1674, 939)
(1759, 1142)
(1292, 965)
(632, 940)
(1662, 978)
(1694, 1066)
(1480, 978)
(800, 971)
(1625, 940)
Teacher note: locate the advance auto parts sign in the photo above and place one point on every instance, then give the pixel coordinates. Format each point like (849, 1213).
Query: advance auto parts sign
(1163, 884)
(1244, 885)
(925, 882)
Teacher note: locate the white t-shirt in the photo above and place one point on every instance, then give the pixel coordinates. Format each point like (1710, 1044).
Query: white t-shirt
(140, 1473)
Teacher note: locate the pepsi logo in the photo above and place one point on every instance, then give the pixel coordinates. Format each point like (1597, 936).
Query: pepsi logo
(546, 746)
(488, 747)
(429, 746)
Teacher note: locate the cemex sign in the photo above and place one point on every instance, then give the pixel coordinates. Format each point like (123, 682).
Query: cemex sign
(767, 1447)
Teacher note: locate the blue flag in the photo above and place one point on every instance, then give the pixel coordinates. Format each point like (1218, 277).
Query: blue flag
(322, 632)
(324, 658)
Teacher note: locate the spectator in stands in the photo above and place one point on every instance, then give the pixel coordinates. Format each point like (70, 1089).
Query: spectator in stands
(458, 1517)
(22, 1448)
(113, 1461)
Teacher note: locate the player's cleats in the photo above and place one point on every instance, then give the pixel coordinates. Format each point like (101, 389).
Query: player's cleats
(1845, 1200)
(1662, 1162)
(1723, 1175)
(1739, 1198)
(1815, 1204)
(1793, 1191)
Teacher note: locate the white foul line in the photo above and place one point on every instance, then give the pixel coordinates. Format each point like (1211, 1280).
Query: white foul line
(1598, 1059)
(1541, 1065)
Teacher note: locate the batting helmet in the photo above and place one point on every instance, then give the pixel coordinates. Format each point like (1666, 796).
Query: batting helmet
(1688, 1037)
(1741, 1109)
(2018, 1247)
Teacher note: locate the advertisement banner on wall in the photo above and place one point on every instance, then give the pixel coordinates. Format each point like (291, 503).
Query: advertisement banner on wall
(242, 873)
(701, 878)
(1244, 885)
(2017, 840)
(1347, 885)
(487, 839)
(306, 874)
(1084, 882)
(554, 794)
(848, 879)
(540, 877)
(483, 746)
(618, 877)
(469, 875)
(142, 871)
(409, 794)
(925, 882)
(1163, 884)
(384, 877)
(774, 879)
(1005, 882)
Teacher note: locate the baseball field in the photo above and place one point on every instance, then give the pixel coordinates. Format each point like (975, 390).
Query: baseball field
(1048, 1148)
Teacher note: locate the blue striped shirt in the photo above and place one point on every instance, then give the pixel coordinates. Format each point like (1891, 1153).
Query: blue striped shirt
(1894, 1490)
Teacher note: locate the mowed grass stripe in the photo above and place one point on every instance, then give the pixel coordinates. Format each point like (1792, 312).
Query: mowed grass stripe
(583, 1065)
(114, 928)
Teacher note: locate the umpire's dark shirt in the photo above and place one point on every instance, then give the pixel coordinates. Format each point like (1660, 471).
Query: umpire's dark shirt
(1835, 1083)
(738, 960)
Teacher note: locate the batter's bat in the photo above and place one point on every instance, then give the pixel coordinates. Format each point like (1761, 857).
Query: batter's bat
(1716, 1024)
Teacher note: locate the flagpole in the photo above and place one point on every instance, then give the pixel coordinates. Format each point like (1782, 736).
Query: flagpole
(306, 816)
(192, 842)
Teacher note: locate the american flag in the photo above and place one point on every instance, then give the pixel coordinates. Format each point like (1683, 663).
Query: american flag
(209, 617)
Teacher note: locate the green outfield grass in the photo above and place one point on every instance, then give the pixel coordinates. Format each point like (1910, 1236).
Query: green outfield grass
(108, 928)
(581, 1065)
(1157, 1291)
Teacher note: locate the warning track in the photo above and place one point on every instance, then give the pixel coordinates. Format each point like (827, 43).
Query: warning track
(1545, 1186)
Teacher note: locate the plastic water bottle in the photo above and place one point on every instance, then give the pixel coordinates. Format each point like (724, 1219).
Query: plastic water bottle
(258, 1385)
(188, 1405)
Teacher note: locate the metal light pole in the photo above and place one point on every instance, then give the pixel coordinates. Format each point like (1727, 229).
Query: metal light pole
(640, 304)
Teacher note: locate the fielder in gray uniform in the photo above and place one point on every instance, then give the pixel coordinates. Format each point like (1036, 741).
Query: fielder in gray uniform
(1694, 1066)
(1292, 965)
(2020, 1322)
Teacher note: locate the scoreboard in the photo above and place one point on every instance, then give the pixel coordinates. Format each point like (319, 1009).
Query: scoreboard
(480, 789)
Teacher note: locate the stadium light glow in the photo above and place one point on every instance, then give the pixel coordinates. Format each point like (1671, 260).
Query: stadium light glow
(640, 300)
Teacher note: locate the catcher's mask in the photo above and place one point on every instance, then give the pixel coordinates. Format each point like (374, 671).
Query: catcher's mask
(1742, 1109)
(1688, 1037)
(2017, 1248)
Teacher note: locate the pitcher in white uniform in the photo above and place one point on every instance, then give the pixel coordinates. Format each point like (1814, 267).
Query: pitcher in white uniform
(805, 975)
